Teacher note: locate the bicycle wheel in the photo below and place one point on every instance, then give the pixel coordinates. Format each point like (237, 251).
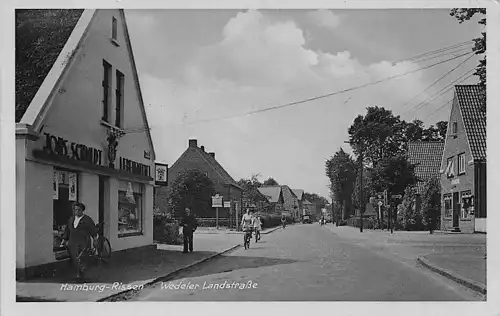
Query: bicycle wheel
(105, 252)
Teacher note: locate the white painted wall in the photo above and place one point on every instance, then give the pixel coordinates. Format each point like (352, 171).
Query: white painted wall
(20, 202)
(480, 225)
(89, 194)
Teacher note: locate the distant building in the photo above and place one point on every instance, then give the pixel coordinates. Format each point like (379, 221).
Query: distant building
(426, 156)
(195, 157)
(274, 195)
(463, 167)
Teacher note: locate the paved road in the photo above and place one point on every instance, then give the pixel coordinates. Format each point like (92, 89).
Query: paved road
(307, 263)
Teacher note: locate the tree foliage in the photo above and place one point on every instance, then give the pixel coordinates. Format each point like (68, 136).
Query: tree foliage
(431, 203)
(251, 194)
(270, 182)
(408, 217)
(341, 170)
(465, 14)
(191, 189)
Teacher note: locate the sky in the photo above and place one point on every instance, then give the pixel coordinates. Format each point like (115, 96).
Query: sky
(201, 70)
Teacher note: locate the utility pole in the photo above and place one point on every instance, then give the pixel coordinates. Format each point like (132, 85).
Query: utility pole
(361, 206)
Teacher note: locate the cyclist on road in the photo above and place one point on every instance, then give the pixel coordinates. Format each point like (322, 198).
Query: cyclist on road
(283, 221)
(247, 220)
(257, 226)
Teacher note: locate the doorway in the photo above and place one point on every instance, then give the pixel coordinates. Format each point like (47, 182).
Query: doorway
(456, 211)
(102, 184)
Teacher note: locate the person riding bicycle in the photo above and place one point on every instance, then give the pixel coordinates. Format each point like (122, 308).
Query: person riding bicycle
(257, 226)
(247, 221)
(283, 221)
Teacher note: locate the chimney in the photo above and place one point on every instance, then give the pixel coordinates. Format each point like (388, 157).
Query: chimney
(203, 148)
(193, 143)
(212, 154)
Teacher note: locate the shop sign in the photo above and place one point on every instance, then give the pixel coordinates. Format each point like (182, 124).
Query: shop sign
(79, 152)
(135, 167)
(161, 174)
(147, 154)
(455, 181)
(217, 201)
(72, 186)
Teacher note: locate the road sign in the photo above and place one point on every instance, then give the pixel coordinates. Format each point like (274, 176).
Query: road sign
(227, 204)
(217, 201)
(380, 203)
(396, 196)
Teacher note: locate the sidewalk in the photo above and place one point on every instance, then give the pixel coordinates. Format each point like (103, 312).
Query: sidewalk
(126, 269)
(460, 257)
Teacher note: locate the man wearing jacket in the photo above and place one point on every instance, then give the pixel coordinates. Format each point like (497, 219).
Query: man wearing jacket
(77, 239)
(189, 225)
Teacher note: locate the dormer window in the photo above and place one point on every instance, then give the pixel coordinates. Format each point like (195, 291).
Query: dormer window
(113, 29)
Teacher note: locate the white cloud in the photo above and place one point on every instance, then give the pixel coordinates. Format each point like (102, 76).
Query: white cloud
(261, 63)
(325, 18)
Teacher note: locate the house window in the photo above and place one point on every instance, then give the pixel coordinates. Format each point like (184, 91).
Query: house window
(106, 86)
(130, 207)
(467, 209)
(461, 164)
(447, 205)
(454, 128)
(450, 168)
(113, 28)
(120, 79)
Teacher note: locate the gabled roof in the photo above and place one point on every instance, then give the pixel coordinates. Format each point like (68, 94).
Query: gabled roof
(40, 38)
(427, 158)
(471, 108)
(47, 41)
(271, 192)
(289, 197)
(298, 193)
(306, 202)
(210, 161)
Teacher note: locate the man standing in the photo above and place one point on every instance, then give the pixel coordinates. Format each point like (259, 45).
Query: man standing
(79, 229)
(189, 225)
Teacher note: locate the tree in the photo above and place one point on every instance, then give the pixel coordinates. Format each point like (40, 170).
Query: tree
(251, 194)
(431, 203)
(394, 174)
(408, 217)
(442, 127)
(465, 14)
(270, 182)
(341, 170)
(191, 189)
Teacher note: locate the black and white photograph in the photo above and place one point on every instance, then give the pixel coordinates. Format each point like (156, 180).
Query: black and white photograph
(250, 154)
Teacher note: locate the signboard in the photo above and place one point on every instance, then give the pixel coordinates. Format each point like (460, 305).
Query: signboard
(396, 196)
(227, 204)
(72, 186)
(380, 203)
(455, 181)
(161, 174)
(217, 201)
(62, 147)
(147, 154)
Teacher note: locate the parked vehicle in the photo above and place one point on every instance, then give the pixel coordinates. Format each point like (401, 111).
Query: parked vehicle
(306, 219)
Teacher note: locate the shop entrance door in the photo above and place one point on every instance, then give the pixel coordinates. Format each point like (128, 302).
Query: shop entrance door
(456, 210)
(102, 182)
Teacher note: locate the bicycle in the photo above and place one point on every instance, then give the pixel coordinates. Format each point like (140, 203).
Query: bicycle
(257, 235)
(101, 248)
(247, 237)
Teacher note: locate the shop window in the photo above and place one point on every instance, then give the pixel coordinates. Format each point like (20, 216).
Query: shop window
(64, 194)
(130, 208)
(467, 210)
(447, 205)
(461, 164)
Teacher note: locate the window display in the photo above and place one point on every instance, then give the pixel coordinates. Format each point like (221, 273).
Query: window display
(64, 194)
(447, 205)
(467, 209)
(130, 208)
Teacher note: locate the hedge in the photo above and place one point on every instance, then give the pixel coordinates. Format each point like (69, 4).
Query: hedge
(166, 230)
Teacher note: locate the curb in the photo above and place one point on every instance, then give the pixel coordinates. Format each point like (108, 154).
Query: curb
(116, 297)
(476, 286)
(270, 231)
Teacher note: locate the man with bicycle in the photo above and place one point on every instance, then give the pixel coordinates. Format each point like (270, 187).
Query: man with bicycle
(247, 226)
(77, 238)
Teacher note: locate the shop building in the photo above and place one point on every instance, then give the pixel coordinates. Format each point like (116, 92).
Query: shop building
(81, 133)
(463, 167)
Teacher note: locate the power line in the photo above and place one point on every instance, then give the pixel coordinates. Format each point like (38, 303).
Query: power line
(441, 92)
(326, 95)
(446, 74)
(439, 50)
(443, 54)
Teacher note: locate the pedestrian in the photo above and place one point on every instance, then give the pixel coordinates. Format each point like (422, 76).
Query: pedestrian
(257, 225)
(79, 231)
(189, 225)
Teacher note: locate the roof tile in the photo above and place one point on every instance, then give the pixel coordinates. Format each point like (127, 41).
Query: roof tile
(427, 158)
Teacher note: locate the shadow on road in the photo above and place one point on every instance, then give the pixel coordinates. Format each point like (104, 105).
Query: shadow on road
(226, 264)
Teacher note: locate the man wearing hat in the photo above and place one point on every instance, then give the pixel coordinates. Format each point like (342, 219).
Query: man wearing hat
(77, 239)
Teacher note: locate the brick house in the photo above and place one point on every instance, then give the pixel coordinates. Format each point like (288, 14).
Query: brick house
(426, 156)
(291, 202)
(463, 167)
(195, 157)
(299, 193)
